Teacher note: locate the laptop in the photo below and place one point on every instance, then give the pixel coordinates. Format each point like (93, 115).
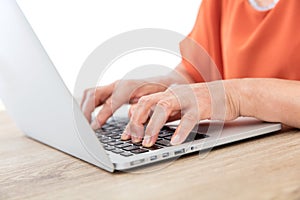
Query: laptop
(38, 101)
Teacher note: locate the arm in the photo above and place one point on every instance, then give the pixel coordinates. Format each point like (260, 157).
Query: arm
(272, 100)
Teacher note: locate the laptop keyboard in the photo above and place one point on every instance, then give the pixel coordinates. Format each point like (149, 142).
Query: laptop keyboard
(110, 136)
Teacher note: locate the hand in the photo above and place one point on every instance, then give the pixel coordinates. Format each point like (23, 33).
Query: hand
(113, 96)
(194, 102)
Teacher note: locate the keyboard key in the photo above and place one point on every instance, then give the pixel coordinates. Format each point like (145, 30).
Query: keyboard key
(118, 143)
(165, 143)
(126, 154)
(168, 129)
(168, 138)
(116, 137)
(100, 136)
(118, 151)
(109, 148)
(121, 146)
(104, 140)
(195, 136)
(111, 143)
(110, 128)
(122, 123)
(111, 140)
(116, 131)
(130, 148)
(99, 130)
(138, 151)
(105, 125)
(163, 135)
(109, 134)
(154, 147)
(102, 132)
(121, 129)
(136, 144)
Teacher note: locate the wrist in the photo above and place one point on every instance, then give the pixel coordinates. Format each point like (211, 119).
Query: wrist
(234, 98)
(244, 96)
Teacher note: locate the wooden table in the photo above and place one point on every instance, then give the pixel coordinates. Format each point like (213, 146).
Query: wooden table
(263, 168)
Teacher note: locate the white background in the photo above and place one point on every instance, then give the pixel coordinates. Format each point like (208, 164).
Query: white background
(71, 29)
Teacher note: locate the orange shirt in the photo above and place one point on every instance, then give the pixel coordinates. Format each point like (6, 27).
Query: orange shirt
(244, 42)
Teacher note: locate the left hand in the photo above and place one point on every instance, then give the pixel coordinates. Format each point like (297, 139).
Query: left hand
(192, 103)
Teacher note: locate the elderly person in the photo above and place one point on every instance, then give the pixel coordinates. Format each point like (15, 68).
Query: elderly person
(255, 45)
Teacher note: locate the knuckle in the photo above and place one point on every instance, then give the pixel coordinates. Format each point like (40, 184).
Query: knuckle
(176, 88)
(171, 93)
(165, 104)
(108, 106)
(108, 102)
(144, 100)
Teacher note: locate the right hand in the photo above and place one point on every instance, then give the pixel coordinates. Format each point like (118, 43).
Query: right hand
(113, 96)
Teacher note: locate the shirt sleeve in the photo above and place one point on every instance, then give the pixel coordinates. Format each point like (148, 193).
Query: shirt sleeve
(201, 50)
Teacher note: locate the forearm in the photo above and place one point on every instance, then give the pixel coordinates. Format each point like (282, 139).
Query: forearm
(272, 100)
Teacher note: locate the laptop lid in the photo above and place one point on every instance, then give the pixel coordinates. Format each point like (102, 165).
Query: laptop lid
(35, 95)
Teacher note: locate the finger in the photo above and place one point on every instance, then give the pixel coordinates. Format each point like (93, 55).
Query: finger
(105, 113)
(131, 110)
(126, 134)
(95, 97)
(140, 116)
(136, 132)
(88, 106)
(187, 123)
(120, 95)
(84, 97)
(161, 113)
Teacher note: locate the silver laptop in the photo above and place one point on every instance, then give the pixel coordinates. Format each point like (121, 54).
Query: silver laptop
(41, 105)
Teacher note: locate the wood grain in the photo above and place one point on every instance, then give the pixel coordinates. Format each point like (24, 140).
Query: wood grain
(262, 168)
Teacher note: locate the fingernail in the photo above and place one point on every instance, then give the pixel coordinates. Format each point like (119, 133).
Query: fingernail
(147, 141)
(175, 140)
(125, 136)
(95, 125)
(135, 139)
